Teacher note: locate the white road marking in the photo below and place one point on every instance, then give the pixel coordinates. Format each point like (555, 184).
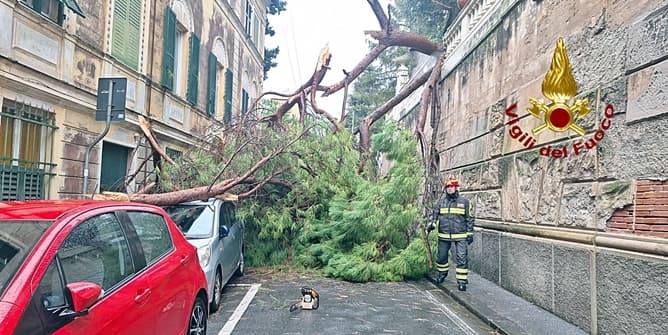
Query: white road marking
(451, 315)
(239, 311)
(240, 285)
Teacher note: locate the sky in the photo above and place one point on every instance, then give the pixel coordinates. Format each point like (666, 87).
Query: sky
(307, 26)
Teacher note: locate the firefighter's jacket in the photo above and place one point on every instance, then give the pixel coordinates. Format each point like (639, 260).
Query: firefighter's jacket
(455, 217)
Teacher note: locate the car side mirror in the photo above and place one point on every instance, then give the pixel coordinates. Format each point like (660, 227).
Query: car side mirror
(84, 295)
(224, 231)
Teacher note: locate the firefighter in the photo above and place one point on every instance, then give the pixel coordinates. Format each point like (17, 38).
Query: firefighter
(454, 215)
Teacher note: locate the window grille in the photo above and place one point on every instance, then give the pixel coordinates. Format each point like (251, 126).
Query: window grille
(26, 153)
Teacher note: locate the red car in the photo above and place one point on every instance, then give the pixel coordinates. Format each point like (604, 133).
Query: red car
(97, 267)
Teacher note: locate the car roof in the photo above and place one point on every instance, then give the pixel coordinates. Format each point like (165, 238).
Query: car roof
(47, 209)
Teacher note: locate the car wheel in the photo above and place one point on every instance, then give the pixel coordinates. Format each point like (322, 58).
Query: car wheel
(240, 268)
(217, 292)
(198, 316)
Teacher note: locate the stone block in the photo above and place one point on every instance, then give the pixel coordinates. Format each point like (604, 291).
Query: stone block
(494, 143)
(578, 206)
(572, 285)
(489, 261)
(488, 205)
(469, 177)
(635, 150)
(596, 55)
(573, 167)
(612, 196)
(466, 153)
(489, 174)
(626, 12)
(526, 270)
(648, 92)
(475, 252)
(530, 167)
(631, 294)
(509, 188)
(647, 40)
(496, 114)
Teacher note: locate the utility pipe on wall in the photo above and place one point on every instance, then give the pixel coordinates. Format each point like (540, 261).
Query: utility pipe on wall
(98, 139)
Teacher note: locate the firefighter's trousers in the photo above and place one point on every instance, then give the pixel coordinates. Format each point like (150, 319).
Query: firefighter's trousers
(460, 252)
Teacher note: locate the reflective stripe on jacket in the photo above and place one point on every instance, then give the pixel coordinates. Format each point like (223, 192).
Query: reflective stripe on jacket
(455, 217)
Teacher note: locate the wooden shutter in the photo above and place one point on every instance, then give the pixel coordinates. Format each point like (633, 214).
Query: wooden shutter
(211, 89)
(169, 50)
(193, 69)
(227, 116)
(125, 32)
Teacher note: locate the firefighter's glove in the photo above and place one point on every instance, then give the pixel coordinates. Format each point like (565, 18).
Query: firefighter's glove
(469, 239)
(431, 226)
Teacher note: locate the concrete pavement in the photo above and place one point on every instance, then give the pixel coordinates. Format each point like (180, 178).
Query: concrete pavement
(504, 311)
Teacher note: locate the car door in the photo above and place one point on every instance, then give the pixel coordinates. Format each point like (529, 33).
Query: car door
(226, 242)
(237, 233)
(98, 251)
(167, 272)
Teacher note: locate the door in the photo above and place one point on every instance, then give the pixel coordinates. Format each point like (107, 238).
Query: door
(114, 167)
(165, 266)
(98, 251)
(226, 243)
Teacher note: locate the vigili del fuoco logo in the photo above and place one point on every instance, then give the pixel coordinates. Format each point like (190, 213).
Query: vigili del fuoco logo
(558, 114)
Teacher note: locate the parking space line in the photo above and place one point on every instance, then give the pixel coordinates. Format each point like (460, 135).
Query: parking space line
(451, 315)
(239, 311)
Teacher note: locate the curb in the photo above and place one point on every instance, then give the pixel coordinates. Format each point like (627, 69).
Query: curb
(477, 312)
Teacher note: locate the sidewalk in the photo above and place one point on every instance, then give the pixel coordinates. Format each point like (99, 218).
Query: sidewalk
(503, 310)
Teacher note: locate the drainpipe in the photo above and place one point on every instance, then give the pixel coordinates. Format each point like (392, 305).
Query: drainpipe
(98, 139)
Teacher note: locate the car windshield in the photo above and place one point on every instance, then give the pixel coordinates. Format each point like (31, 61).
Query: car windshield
(17, 239)
(195, 221)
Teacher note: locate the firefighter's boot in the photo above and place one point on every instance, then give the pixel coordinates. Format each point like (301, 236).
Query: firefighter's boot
(462, 286)
(441, 277)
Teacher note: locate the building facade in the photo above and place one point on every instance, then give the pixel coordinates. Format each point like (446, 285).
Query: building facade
(191, 67)
(574, 222)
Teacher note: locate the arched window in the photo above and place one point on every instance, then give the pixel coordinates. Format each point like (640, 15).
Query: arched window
(220, 75)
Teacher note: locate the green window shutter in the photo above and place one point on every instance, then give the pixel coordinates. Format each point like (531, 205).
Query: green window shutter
(193, 69)
(74, 6)
(211, 89)
(227, 117)
(244, 101)
(126, 28)
(134, 28)
(169, 50)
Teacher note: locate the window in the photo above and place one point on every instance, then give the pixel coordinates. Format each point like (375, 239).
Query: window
(249, 16)
(244, 101)
(176, 34)
(212, 83)
(227, 115)
(53, 9)
(193, 69)
(25, 134)
(97, 251)
(173, 153)
(51, 288)
(126, 32)
(153, 234)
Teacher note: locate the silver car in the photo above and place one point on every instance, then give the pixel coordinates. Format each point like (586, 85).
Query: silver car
(212, 227)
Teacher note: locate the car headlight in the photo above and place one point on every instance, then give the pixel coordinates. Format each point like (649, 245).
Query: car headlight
(204, 255)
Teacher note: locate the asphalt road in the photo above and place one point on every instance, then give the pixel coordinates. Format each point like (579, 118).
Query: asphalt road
(258, 303)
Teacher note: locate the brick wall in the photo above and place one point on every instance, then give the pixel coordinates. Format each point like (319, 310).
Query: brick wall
(648, 216)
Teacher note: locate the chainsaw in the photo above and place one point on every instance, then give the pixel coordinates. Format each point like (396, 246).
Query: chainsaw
(309, 300)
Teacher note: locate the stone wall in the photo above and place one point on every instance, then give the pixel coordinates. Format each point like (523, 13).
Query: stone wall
(611, 180)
